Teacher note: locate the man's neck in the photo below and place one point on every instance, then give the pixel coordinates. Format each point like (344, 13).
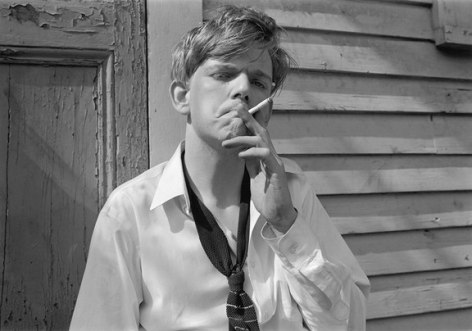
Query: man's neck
(215, 174)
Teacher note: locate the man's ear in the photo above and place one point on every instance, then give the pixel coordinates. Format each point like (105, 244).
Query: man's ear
(179, 96)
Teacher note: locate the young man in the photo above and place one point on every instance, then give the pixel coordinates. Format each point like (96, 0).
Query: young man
(224, 234)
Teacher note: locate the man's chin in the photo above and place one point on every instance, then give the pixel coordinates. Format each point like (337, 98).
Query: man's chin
(235, 129)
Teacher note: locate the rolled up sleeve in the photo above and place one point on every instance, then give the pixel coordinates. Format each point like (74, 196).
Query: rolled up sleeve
(323, 275)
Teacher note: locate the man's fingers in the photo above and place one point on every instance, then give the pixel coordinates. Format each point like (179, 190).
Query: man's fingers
(247, 141)
(251, 123)
(255, 147)
(263, 154)
(256, 153)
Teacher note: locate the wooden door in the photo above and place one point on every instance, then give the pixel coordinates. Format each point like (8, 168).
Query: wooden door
(73, 125)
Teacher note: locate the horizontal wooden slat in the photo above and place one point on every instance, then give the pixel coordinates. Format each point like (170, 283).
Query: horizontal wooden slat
(369, 224)
(412, 251)
(410, 2)
(386, 174)
(53, 24)
(398, 212)
(377, 56)
(392, 282)
(416, 260)
(51, 56)
(322, 133)
(307, 91)
(450, 320)
(374, 18)
(387, 292)
(419, 299)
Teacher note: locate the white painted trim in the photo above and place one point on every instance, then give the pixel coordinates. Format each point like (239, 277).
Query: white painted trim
(168, 20)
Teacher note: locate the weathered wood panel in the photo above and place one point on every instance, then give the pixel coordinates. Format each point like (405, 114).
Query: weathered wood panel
(450, 320)
(408, 280)
(4, 133)
(412, 251)
(56, 24)
(106, 38)
(420, 292)
(130, 88)
(335, 133)
(312, 92)
(399, 212)
(117, 26)
(344, 16)
(47, 56)
(52, 193)
(407, 301)
(386, 174)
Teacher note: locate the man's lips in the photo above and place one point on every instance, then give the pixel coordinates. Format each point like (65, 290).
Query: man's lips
(232, 110)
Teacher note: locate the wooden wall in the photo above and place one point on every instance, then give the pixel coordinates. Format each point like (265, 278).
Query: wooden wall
(380, 119)
(73, 125)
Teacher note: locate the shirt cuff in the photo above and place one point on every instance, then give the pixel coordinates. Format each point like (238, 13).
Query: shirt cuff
(296, 247)
(299, 250)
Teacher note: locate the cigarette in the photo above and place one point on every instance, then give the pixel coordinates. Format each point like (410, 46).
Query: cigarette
(260, 105)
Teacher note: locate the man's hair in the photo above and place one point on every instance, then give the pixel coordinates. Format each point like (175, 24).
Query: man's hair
(230, 32)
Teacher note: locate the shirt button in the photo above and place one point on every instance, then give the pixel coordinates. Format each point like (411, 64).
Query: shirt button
(293, 249)
(341, 311)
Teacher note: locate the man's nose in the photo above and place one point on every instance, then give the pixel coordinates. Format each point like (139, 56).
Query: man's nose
(241, 87)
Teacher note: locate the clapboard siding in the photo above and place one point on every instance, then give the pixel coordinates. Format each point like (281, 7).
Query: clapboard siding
(345, 16)
(386, 174)
(412, 251)
(347, 133)
(308, 92)
(380, 120)
(360, 213)
(419, 299)
(458, 320)
(407, 294)
(376, 56)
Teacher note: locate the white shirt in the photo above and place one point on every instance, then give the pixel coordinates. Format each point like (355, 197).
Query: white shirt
(147, 269)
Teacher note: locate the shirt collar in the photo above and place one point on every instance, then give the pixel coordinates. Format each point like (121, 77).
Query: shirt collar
(172, 181)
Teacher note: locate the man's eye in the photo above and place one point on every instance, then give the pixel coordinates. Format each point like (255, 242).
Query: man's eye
(259, 84)
(221, 76)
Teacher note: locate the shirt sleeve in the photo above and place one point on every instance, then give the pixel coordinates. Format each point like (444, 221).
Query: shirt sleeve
(110, 292)
(323, 276)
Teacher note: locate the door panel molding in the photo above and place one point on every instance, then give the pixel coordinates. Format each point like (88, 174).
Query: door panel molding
(104, 102)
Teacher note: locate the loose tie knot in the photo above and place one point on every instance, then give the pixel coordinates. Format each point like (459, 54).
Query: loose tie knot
(236, 281)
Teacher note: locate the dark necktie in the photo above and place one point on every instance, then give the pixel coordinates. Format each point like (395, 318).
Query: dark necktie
(239, 306)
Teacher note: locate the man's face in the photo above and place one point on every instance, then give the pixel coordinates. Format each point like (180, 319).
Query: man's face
(219, 88)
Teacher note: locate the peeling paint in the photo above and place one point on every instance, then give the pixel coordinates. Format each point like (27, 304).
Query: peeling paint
(82, 20)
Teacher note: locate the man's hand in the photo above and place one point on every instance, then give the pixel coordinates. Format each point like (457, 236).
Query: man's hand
(269, 188)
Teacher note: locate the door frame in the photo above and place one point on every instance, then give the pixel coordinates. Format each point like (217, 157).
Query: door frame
(165, 28)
